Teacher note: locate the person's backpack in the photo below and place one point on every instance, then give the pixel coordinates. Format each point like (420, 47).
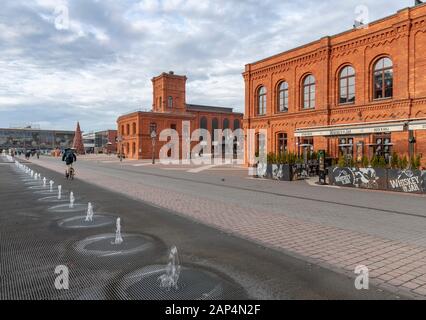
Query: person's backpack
(70, 157)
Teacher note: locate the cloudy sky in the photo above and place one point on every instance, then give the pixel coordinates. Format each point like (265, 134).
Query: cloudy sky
(97, 64)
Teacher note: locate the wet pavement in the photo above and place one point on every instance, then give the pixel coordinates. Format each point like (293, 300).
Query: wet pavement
(35, 239)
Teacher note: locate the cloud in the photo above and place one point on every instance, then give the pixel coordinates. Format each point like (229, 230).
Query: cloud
(100, 66)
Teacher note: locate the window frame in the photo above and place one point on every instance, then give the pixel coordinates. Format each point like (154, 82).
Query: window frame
(309, 86)
(346, 78)
(278, 140)
(261, 99)
(382, 72)
(285, 99)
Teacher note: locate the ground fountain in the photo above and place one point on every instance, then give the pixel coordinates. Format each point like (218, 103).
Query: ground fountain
(89, 216)
(174, 281)
(87, 221)
(115, 244)
(72, 200)
(169, 280)
(118, 238)
(59, 192)
(51, 183)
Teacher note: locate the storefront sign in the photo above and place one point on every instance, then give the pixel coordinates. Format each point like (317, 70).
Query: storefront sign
(417, 126)
(349, 131)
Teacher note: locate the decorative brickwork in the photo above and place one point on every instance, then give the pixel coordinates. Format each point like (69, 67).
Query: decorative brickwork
(401, 38)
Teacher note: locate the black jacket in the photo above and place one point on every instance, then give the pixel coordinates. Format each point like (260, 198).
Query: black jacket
(69, 157)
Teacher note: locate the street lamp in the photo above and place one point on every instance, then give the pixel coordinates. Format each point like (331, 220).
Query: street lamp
(120, 141)
(153, 140)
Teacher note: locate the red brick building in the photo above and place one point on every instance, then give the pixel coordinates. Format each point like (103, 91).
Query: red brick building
(361, 92)
(169, 110)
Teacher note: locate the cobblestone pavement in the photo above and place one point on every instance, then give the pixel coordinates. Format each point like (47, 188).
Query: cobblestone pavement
(335, 228)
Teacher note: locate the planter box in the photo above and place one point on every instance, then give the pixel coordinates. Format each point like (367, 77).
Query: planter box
(424, 180)
(408, 181)
(281, 172)
(366, 178)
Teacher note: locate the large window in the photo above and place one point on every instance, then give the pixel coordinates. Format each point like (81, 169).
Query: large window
(309, 92)
(261, 101)
(347, 85)
(215, 125)
(346, 147)
(383, 79)
(170, 102)
(236, 124)
(225, 124)
(383, 146)
(283, 97)
(281, 142)
(203, 123)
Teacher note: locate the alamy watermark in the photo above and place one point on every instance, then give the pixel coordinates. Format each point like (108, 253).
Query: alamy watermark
(363, 277)
(222, 147)
(62, 18)
(62, 281)
(362, 17)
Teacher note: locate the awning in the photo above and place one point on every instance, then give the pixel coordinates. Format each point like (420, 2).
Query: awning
(417, 125)
(350, 130)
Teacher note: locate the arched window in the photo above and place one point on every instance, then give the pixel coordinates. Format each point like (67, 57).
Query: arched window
(203, 123)
(283, 97)
(215, 124)
(236, 124)
(309, 92)
(134, 128)
(170, 102)
(383, 79)
(261, 101)
(225, 124)
(347, 85)
(133, 148)
(122, 129)
(128, 129)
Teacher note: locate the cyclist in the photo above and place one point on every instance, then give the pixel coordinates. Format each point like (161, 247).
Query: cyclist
(69, 157)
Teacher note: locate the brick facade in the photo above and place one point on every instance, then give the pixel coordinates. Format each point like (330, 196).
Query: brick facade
(169, 110)
(401, 38)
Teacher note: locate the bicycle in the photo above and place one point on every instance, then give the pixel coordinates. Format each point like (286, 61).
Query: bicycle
(70, 173)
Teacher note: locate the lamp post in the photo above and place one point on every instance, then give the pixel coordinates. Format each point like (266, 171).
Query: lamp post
(153, 140)
(120, 141)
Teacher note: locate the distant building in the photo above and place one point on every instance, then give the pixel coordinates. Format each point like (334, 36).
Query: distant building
(31, 138)
(100, 142)
(169, 111)
(89, 142)
(106, 141)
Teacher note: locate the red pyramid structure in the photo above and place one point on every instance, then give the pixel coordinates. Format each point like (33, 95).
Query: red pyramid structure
(78, 141)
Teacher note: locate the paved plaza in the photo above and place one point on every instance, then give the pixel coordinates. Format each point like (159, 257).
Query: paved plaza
(337, 229)
(36, 237)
